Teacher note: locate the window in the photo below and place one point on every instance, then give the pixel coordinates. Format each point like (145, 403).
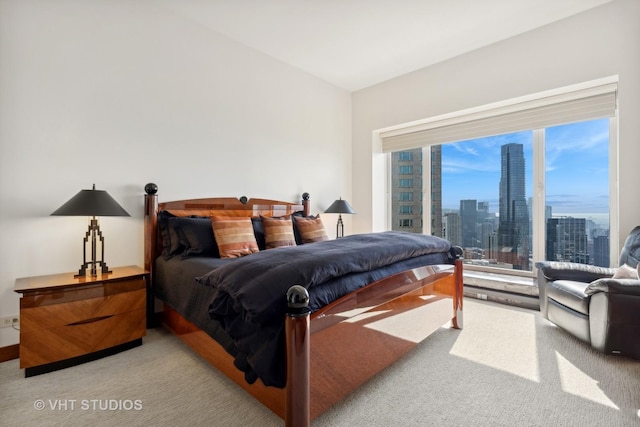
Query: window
(406, 223)
(405, 170)
(405, 210)
(577, 182)
(405, 183)
(405, 196)
(481, 189)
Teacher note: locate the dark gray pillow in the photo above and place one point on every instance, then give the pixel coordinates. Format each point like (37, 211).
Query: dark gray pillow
(258, 230)
(196, 235)
(630, 253)
(171, 243)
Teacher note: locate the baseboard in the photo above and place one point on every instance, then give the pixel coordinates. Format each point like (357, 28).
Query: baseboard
(9, 352)
(518, 300)
(62, 364)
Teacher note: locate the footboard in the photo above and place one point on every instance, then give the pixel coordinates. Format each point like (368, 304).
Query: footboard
(362, 333)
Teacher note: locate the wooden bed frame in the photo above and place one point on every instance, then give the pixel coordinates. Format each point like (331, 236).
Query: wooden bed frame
(353, 338)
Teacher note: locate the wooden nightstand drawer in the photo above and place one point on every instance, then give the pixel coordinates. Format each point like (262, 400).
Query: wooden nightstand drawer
(65, 341)
(80, 311)
(42, 297)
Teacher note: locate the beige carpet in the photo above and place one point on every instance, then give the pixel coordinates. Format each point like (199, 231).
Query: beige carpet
(508, 367)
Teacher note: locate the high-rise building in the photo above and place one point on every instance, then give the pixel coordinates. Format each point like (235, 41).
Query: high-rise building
(469, 223)
(483, 211)
(601, 251)
(572, 240)
(567, 240)
(551, 241)
(486, 231)
(436, 191)
(453, 228)
(406, 182)
(513, 227)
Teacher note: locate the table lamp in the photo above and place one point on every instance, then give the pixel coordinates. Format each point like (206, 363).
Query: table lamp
(92, 203)
(340, 207)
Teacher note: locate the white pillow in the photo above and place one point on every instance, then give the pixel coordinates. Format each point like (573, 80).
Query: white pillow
(626, 272)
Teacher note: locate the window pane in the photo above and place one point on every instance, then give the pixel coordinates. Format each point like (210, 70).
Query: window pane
(577, 192)
(486, 188)
(480, 191)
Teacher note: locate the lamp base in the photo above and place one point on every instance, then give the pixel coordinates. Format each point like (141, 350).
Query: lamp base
(93, 232)
(339, 227)
(93, 271)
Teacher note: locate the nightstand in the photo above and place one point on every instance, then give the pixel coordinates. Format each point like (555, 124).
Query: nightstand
(66, 320)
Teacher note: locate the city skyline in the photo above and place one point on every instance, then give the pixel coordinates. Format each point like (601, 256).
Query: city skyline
(577, 180)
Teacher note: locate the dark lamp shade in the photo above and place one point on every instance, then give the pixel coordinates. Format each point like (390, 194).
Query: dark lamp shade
(340, 207)
(91, 203)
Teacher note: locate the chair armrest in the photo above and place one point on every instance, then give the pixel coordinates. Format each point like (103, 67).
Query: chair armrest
(614, 286)
(557, 270)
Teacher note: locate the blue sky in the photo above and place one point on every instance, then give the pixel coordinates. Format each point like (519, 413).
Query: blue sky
(577, 168)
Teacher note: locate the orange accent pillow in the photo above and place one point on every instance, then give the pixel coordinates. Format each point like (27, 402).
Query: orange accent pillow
(311, 229)
(234, 236)
(278, 232)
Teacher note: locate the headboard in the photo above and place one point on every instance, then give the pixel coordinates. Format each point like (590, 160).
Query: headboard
(215, 206)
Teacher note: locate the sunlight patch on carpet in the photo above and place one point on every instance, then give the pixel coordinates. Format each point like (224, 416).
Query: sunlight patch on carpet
(507, 344)
(577, 383)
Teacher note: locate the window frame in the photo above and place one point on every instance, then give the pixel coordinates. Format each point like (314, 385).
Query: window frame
(538, 184)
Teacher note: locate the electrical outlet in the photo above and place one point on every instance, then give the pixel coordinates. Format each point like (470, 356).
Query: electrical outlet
(8, 321)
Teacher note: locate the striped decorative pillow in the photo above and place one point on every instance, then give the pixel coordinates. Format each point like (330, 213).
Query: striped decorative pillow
(310, 229)
(234, 236)
(278, 232)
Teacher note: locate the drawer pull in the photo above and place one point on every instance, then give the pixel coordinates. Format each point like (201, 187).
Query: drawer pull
(93, 319)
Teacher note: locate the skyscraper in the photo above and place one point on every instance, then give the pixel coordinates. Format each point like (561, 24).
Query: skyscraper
(551, 241)
(469, 223)
(452, 228)
(406, 183)
(513, 227)
(436, 191)
(572, 240)
(601, 251)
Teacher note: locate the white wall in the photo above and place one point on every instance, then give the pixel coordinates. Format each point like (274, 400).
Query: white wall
(121, 93)
(598, 43)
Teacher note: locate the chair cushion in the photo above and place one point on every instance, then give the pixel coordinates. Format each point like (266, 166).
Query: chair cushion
(570, 294)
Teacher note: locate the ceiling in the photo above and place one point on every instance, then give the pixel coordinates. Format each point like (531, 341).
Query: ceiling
(354, 44)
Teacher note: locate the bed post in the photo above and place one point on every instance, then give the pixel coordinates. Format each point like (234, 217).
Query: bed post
(150, 224)
(150, 241)
(305, 204)
(298, 337)
(458, 295)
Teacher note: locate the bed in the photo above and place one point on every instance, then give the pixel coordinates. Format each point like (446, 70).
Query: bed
(295, 319)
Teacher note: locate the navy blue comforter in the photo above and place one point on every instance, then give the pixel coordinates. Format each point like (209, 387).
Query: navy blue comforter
(249, 293)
